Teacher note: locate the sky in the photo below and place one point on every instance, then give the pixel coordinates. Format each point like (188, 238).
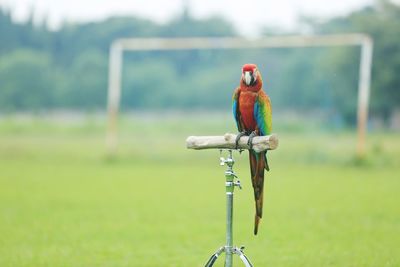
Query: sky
(248, 16)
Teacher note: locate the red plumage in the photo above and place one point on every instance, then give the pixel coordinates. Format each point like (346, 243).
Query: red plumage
(246, 108)
(249, 67)
(245, 98)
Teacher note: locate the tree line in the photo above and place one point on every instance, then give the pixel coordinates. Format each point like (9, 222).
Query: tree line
(42, 69)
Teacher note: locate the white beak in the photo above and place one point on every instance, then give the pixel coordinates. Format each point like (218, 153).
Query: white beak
(247, 77)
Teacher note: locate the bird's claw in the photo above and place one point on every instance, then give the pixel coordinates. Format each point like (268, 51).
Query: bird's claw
(250, 141)
(238, 138)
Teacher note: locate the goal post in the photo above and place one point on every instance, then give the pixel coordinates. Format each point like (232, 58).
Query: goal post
(151, 44)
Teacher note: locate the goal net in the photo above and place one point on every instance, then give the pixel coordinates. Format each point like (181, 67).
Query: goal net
(181, 44)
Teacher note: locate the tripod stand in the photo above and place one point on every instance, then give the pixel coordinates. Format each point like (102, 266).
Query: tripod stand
(229, 249)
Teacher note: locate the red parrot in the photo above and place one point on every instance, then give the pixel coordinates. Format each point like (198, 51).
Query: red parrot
(252, 113)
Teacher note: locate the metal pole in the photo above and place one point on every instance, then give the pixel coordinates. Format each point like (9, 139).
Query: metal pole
(229, 210)
(229, 249)
(229, 236)
(114, 95)
(363, 93)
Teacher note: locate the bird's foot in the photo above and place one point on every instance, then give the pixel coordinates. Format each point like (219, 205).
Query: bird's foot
(238, 138)
(251, 136)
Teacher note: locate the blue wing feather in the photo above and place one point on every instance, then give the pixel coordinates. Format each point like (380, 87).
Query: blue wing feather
(234, 109)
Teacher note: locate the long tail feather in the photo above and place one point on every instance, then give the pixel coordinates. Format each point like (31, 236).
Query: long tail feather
(257, 166)
(266, 161)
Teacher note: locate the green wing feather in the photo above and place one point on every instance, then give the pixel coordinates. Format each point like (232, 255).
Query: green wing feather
(263, 113)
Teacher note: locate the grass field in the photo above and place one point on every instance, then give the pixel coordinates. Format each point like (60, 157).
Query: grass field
(63, 202)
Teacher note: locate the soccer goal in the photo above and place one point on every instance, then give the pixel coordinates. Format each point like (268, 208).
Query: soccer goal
(163, 44)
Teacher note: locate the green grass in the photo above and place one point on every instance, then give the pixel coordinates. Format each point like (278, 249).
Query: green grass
(63, 202)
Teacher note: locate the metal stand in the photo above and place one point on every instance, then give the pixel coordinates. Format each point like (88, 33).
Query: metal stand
(229, 249)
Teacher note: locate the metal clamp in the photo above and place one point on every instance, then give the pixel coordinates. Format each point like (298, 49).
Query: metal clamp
(238, 184)
(229, 161)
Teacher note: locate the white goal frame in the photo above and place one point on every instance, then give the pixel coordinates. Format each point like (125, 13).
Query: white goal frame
(150, 44)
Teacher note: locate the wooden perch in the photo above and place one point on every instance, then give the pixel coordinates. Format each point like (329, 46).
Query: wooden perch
(260, 143)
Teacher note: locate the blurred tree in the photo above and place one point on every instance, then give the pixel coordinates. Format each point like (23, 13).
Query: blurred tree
(68, 68)
(152, 84)
(381, 21)
(87, 83)
(72, 39)
(26, 81)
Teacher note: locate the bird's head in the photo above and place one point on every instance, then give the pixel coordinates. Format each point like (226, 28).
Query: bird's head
(251, 77)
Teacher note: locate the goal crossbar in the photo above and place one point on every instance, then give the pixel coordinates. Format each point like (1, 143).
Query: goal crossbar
(163, 44)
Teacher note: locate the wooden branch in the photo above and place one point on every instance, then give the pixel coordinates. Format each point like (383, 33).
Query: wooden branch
(260, 143)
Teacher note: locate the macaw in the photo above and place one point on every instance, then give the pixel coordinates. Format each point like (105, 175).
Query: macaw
(252, 113)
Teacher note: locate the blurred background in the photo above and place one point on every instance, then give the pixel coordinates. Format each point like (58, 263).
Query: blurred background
(65, 202)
